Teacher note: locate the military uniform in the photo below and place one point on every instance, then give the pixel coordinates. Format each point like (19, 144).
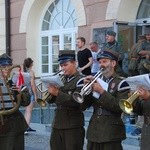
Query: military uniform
(12, 132)
(12, 124)
(134, 57)
(117, 47)
(144, 46)
(69, 120)
(106, 129)
(67, 127)
(106, 125)
(141, 107)
(143, 67)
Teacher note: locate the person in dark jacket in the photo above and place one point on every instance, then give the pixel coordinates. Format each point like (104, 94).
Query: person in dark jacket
(106, 129)
(67, 127)
(12, 122)
(141, 106)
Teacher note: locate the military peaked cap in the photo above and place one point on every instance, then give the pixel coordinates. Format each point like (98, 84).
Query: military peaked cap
(5, 60)
(111, 33)
(66, 55)
(109, 54)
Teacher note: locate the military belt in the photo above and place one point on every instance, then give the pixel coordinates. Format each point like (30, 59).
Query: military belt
(147, 120)
(102, 112)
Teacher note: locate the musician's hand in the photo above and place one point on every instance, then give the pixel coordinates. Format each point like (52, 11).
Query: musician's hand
(97, 88)
(88, 79)
(80, 69)
(148, 56)
(144, 94)
(52, 89)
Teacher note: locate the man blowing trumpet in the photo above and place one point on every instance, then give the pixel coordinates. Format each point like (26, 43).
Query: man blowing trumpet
(67, 128)
(106, 129)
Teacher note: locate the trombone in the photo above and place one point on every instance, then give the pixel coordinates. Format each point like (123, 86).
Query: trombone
(46, 96)
(79, 96)
(126, 104)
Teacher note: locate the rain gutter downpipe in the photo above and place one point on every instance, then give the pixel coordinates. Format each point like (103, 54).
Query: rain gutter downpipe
(7, 30)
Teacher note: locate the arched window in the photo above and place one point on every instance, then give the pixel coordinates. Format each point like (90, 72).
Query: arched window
(144, 10)
(58, 32)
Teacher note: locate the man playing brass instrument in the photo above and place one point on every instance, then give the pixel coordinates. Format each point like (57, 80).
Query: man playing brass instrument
(106, 129)
(12, 122)
(67, 128)
(141, 106)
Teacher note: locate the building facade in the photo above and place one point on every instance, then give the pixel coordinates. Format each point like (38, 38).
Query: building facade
(40, 28)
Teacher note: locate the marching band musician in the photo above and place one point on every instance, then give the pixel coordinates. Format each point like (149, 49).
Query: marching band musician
(67, 127)
(142, 107)
(106, 129)
(13, 125)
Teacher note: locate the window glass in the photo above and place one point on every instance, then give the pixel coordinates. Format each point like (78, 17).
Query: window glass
(144, 10)
(59, 16)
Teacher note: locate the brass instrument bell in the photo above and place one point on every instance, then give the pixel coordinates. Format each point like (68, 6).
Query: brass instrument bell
(46, 96)
(126, 104)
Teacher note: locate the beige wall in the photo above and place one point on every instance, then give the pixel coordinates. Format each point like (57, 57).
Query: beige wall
(27, 15)
(2, 27)
(18, 41)
(30, 23)
(95, 18)
(127, 10)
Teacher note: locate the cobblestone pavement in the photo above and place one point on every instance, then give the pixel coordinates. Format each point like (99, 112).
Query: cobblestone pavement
(39, 140)
(36, 142)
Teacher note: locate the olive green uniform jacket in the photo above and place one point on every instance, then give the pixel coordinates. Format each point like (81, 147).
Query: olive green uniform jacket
(68, 113)
(144, 46)
(107, 126)
(134, 59)
(142, 107)
(12, 132)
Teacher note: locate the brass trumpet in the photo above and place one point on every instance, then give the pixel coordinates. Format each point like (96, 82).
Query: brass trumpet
(79, 97)
(46, 96)
(126, 104)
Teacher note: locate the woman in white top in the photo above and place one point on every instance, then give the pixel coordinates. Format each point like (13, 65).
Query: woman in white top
(27, 67)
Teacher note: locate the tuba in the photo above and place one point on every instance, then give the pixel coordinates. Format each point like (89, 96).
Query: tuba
(10, 97)
(126, 104)
(46, 96)
(79, 96)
